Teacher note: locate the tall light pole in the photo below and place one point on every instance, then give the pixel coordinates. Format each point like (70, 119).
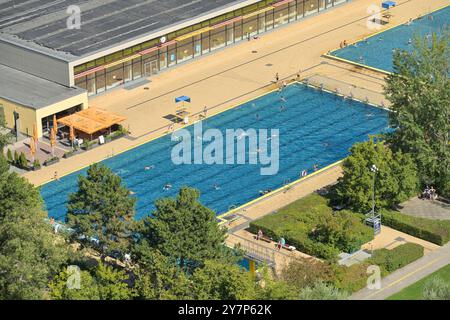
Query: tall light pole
(374, 169)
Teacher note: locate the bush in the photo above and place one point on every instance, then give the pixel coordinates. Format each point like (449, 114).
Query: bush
(391, 260)
(22, 161)
(435, 231)
(9, 156)
(36, 164)
(436, 289)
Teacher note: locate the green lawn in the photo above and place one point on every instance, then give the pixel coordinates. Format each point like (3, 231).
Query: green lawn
(414, 291)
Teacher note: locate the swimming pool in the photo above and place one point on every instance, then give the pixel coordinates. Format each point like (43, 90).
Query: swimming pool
(377, 51)
(315, 128)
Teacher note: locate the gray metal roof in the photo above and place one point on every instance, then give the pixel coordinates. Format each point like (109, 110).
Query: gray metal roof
(30, 91)
(42, 24)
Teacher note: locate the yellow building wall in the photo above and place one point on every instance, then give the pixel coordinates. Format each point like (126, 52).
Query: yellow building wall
(30, 117)
(27, 116)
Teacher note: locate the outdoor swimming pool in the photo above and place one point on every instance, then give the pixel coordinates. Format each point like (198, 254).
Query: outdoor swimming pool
(377, 51)
(315, 128)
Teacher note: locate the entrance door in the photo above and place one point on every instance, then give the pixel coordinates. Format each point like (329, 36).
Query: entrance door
(151, 68)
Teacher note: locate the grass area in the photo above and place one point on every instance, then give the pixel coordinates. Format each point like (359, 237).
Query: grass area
(312, 227)
(414, 291)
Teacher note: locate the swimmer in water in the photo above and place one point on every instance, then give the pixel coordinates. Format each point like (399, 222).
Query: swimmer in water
(281, 108)
(257, 116)
(167, 187)
(216, 187)
(316, 167)
(149, 168)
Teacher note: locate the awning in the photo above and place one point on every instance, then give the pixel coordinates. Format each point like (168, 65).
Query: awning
(92, 120)
(388, 4)
(183, 99)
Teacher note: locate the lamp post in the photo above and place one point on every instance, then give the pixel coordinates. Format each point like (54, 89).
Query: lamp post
(374, 169)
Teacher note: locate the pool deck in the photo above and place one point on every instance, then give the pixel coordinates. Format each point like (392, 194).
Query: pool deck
(246, 70)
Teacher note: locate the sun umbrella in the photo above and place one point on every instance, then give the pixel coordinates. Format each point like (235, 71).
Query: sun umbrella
(53, 140)
(55, 123)
(35, 136)
(32, 147)
(71, 135)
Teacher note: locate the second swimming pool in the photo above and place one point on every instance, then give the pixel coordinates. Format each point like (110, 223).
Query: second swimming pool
(314, 128)
(377, 51)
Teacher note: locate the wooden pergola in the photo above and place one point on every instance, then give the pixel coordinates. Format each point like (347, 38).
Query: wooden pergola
(92, 120)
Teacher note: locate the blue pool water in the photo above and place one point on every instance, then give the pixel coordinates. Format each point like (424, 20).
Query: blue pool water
(377, 51)
(315, 128)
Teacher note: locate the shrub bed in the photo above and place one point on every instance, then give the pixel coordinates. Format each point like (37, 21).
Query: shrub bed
(391, 260)
(435, 231)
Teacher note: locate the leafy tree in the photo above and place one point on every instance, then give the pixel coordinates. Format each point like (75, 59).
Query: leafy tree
(396, 179)
(218, 281)
(5, 138)
(112, 283)
(101, 283)
(102, 209)
(270, 289)
(436, 289)
(158, 277)
(322, 291)
(419, 92)
(185, 230)
(30, 253)
(305, 272)
(87, 290)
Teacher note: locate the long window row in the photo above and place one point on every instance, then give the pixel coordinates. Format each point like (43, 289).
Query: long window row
(197, 45)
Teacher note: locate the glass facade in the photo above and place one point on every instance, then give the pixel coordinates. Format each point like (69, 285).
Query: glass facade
(149, 58)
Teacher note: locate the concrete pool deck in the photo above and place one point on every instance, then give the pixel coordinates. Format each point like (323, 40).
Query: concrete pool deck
(246, 71)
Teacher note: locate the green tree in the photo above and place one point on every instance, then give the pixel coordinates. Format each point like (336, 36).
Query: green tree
(30, 252)
(185, 230)
(5, 136)
(271, 289)
(305, 272)
(158, 277)
(436, 289)
(101, 283)
(61, 290)
(322, 291)
(218, 281)
(102, 209)
(112, 283)
(419, 92)
(396, 179)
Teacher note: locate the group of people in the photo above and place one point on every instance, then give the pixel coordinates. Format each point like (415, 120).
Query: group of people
(429, 193)
(280, 244)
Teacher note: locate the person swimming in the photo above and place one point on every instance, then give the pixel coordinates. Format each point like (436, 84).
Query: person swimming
(216, 187)
(149, 168)
(168, 186)
(282, 108)
(316, 167)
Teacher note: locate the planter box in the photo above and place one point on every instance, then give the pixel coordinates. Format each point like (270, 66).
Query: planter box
(50, 162)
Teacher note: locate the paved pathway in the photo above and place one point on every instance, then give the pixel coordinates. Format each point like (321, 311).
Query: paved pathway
(408, 275)
(426, 209)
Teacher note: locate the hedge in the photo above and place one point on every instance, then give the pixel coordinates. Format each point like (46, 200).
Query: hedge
(391, 260)
(435, 231)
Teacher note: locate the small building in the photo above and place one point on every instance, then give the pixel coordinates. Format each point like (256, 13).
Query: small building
(27, 100)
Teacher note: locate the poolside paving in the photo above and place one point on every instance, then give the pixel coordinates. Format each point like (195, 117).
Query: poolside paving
(426, 209)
